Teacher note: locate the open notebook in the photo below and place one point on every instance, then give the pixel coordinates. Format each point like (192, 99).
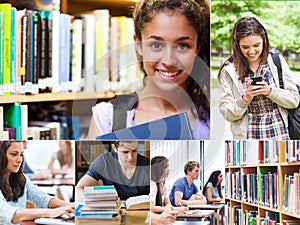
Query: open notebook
(175, 127)
(55, 221)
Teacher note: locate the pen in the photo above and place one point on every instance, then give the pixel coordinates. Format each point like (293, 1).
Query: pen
(123, 218)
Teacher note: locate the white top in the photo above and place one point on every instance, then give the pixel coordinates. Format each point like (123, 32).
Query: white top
(153, 192)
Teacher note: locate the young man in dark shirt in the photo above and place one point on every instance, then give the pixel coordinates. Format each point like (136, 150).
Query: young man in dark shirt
(123, 167)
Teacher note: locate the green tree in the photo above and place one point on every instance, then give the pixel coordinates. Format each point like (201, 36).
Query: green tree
(281, 20)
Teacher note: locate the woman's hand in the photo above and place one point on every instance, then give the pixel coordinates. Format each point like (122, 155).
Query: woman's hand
(261, 88)
(182, 209)
(63, 210)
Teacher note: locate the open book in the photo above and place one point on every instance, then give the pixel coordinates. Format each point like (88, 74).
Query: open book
(138, 202)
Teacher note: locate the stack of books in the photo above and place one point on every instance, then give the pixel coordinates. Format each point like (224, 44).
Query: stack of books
(100, 202)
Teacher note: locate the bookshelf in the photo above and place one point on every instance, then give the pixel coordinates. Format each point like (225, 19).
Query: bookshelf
(87, 88)
(255, 174)
(87, 151)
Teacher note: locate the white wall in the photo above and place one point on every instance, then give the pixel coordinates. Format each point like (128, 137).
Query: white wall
(39, 152)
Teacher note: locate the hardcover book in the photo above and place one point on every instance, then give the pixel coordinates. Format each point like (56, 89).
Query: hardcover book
(176, 127)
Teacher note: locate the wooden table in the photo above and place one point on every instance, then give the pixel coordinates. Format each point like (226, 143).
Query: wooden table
(190, 216)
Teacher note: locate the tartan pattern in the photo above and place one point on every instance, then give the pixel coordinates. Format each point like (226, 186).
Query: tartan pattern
(264, 119)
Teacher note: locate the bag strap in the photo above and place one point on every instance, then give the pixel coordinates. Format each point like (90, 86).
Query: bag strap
(277, 62)
(121, 104)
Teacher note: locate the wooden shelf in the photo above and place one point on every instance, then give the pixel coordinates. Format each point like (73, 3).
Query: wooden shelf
(45, 97)
(116, 7)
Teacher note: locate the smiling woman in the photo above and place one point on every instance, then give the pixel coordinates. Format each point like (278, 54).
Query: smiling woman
(256, 110)
(172, 43)
(16, 189)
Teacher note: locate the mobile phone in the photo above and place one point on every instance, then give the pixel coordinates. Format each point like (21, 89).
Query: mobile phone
(256, 79)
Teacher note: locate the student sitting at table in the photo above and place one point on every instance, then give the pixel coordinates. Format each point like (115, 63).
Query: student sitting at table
(159, 197)
(184, 191)
(16, 188)
(212, 192)
(212, 188)
(65, 158)
(123, 167)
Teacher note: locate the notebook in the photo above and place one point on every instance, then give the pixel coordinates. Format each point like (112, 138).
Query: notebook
(175, 127)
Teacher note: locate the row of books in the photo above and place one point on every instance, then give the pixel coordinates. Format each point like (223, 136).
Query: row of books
(291, 193)
(89, 153)
(253, 152)
(15, 125)
(51, 51)
(251, 217)
(261, 189)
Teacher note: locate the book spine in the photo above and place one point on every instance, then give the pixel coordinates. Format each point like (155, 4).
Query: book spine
(13, 51)
(1, 52)
(6, 10)
(55, 50)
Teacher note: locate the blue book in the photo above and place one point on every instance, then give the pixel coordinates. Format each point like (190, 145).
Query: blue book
(176, 127)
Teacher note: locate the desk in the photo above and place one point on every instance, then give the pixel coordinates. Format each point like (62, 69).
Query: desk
(215, 207)
(28, 223)
(134, 217)
(55, 181)
(201, 216)
(191, 223)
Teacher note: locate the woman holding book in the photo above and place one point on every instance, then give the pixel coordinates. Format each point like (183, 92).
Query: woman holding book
(256, 110)
(172, 43)
(159, 196)
(16, 188)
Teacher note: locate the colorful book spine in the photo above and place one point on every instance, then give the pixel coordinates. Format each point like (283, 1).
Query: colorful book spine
(12, 118)
(13, 51)
(5, 8)
(1, 52)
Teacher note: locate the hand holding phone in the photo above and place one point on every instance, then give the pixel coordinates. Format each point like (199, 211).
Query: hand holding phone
(256, 79)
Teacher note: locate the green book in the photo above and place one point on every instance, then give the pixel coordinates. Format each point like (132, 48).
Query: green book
(12, 118)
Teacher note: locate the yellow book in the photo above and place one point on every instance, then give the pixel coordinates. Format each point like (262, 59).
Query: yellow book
(5, 8)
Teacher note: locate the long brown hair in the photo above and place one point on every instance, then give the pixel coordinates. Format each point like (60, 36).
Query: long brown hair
(158, 166)
(69, 159)
(11, 184)
(197, 13)
(243, 28)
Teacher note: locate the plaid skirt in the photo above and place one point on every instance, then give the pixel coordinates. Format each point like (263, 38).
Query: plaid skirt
(264, 119)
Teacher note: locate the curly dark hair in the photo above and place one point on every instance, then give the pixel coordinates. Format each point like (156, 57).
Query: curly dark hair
(11, 184)
(197, 13)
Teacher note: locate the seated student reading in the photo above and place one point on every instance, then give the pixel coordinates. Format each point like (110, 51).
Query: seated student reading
(123, 167)
(184, 191)
(159, 196)
(16, 188)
